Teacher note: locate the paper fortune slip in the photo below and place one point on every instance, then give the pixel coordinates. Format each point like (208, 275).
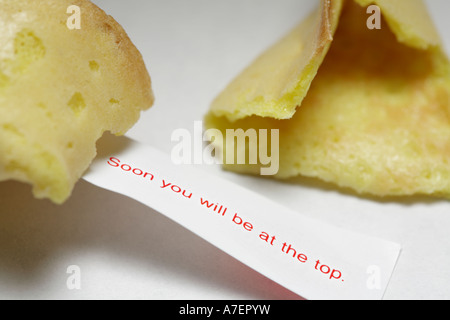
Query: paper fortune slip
(311, 258)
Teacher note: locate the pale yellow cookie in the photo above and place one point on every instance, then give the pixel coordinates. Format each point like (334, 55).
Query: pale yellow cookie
(376, 117)
(61, 88)
(276, 83)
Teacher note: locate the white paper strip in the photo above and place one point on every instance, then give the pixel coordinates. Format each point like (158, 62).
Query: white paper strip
(311, 258)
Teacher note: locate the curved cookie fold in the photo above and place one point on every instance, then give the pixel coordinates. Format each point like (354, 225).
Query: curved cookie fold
(276, 83)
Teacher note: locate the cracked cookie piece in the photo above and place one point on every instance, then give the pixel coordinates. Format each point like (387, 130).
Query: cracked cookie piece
(61, 89)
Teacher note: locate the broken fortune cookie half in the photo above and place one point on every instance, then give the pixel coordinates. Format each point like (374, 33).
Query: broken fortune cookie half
(359, 108)
(61, 89)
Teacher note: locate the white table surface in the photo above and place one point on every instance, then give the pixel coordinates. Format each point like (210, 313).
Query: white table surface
(125, 250)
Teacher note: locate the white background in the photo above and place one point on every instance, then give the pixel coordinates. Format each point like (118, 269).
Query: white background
(127, 251)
